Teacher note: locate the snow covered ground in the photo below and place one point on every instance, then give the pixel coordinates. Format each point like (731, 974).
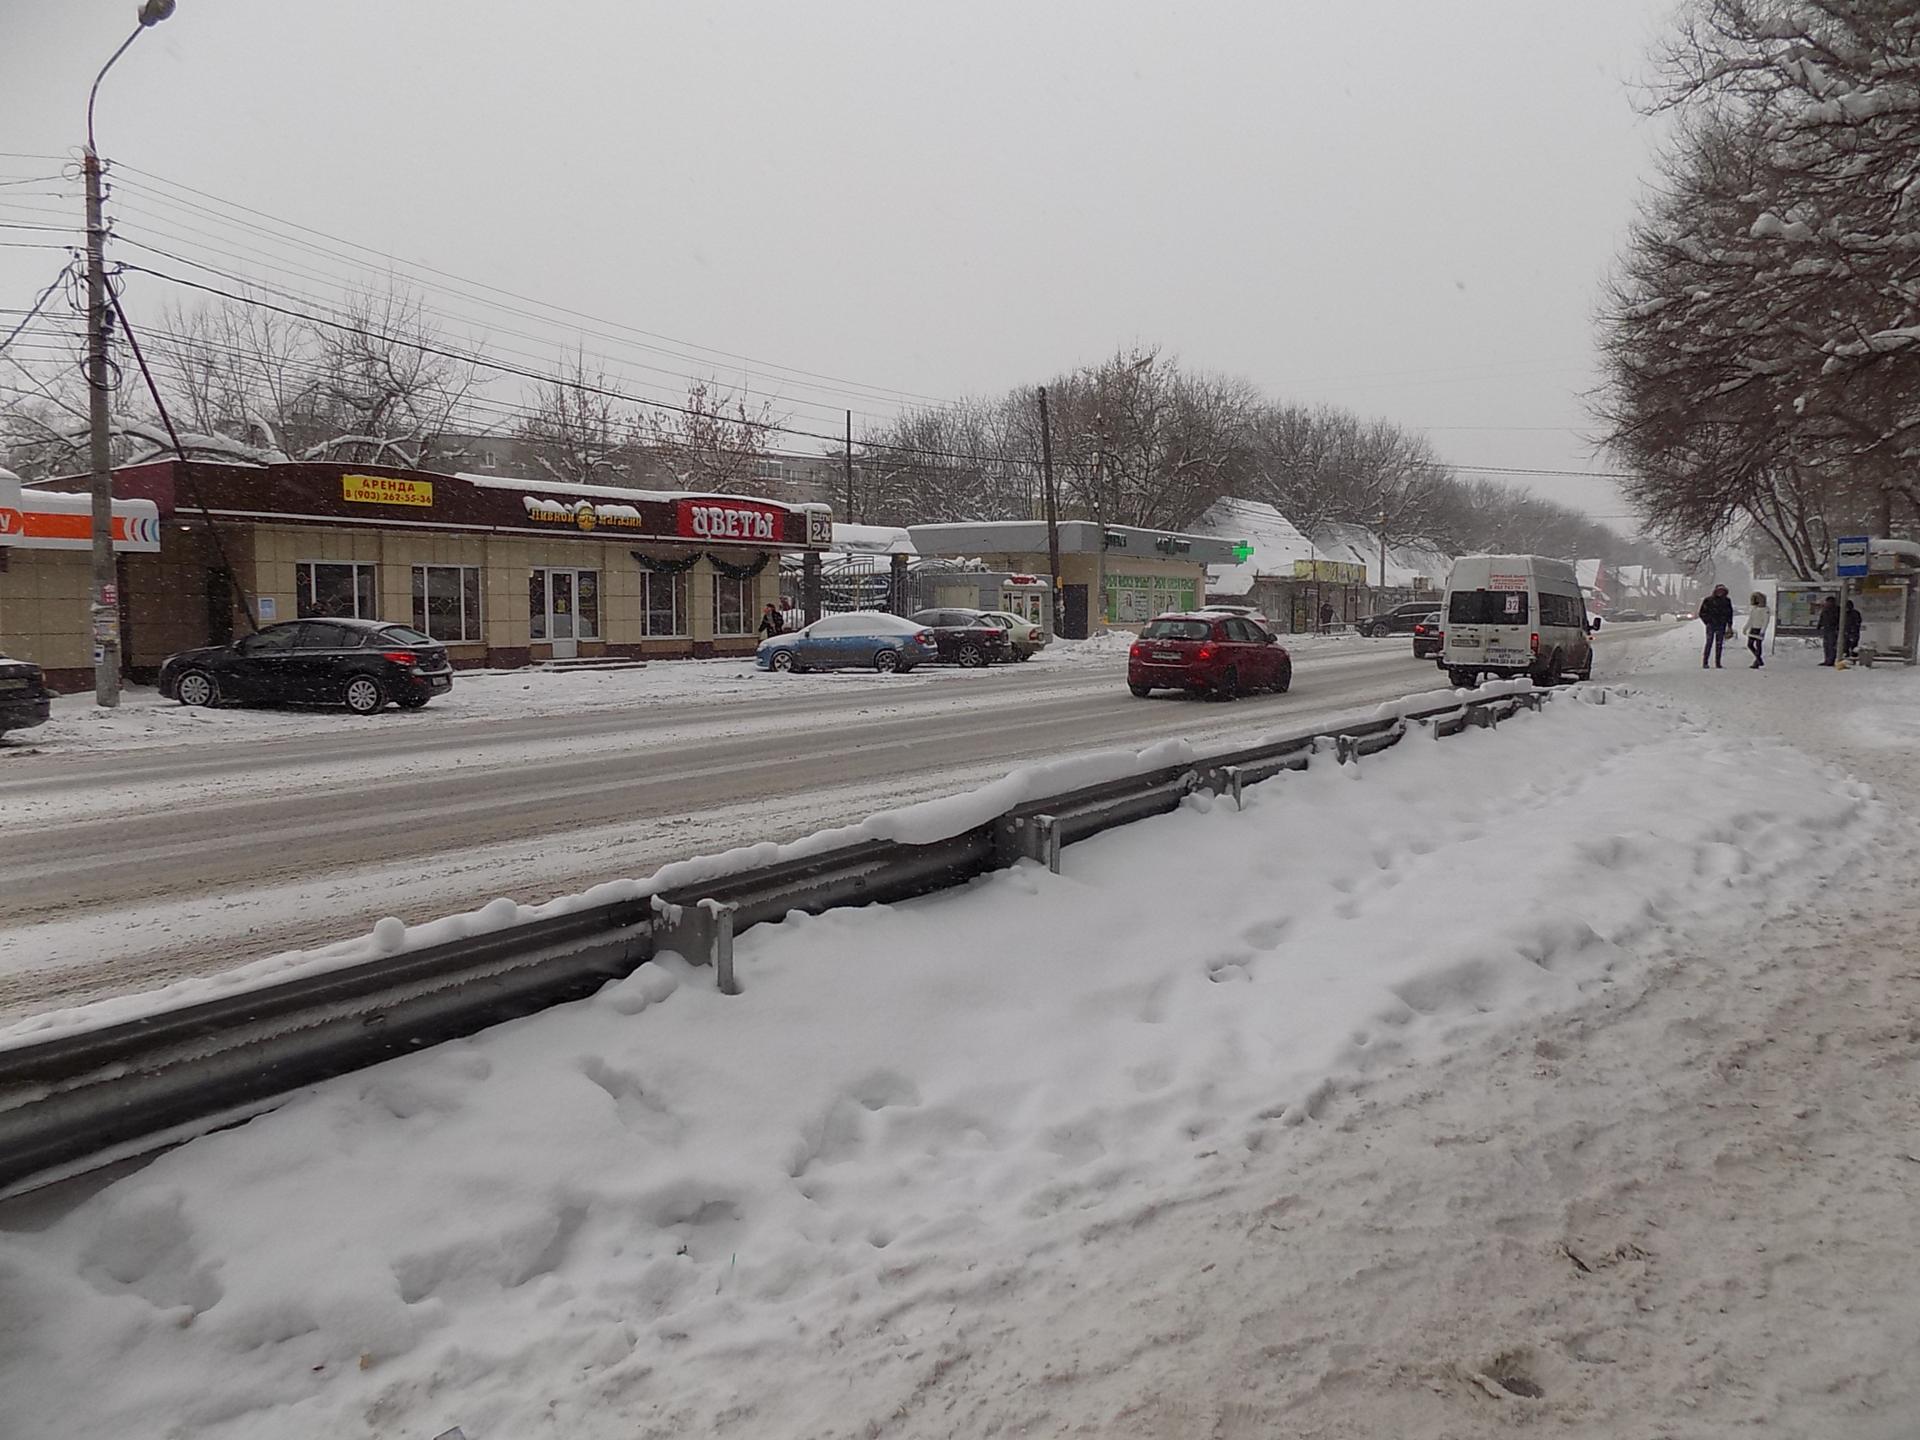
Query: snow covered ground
(144, 719)
(1559, 1074)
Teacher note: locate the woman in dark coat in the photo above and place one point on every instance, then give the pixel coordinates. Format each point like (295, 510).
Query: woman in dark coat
(1828, 623)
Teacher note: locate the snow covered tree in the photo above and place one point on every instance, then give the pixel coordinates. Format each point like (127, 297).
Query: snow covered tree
(1762, 334)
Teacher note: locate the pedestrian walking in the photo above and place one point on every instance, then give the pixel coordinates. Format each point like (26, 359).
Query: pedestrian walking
(1326, 616)
(1757, 628)
(1716, 613)
(1851, 632)
(1828, 624)
(770, 622)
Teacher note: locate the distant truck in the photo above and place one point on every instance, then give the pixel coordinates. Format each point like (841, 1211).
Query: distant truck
(1514, 615)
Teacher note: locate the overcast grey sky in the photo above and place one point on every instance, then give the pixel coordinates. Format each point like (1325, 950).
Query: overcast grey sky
(1402, 207)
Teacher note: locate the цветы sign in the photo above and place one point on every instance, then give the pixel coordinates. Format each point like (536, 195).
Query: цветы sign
(736, 520)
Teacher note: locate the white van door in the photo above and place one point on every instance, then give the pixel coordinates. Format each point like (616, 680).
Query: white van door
(1492, 627)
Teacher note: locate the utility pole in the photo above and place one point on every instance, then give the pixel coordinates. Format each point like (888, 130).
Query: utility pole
(1383, 549)
(849, 467)
(105, 611)
(1053, 508)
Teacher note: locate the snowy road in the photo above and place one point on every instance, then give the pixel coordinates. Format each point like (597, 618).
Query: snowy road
(123, 870)
(1460, 1090)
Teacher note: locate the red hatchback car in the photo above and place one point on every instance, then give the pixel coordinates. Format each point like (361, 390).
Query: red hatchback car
(1220, 654)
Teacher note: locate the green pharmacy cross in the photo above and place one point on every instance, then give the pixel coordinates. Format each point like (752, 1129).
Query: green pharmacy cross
(1242, 552)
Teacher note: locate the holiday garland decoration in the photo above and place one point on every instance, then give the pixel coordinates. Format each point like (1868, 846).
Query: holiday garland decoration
(661, 566)
(739, 572)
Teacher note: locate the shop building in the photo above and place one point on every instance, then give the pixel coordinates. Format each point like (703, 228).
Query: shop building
(505, 571)
(1112, 574)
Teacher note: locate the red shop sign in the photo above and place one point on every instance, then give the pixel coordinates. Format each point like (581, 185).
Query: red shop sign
(729, 520)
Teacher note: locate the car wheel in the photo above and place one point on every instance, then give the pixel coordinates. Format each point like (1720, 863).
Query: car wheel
(781, 660)
(1462, 679)
(1548, 674)
(969, 656)
(1283, 682)
(1229, 684)
(887, 661)
(196, 687)
(364, 695)
(1141, 691)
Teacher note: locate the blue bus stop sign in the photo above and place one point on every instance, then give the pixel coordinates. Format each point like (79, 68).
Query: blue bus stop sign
(1850, 555)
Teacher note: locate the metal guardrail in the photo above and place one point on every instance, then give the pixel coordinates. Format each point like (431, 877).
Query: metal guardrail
(139, 1084)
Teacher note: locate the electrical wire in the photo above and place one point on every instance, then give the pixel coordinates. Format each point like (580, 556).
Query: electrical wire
(33, 310)
(716, 353)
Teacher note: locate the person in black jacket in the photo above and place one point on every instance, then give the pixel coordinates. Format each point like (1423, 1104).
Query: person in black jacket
(1716, 613)
(1851, 631)
(1828, 624)
(770, 622)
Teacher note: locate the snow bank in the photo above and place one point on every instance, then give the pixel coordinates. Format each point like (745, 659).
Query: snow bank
(668, 1211)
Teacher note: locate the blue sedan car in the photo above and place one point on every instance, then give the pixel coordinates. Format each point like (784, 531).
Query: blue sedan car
(868, 639)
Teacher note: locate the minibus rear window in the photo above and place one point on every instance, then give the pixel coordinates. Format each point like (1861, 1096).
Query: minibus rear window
(1487, 607)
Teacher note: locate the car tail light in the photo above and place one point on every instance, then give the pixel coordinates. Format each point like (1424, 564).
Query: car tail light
(925, 637)
(400, 657)
(1033, 634)
(1533, 642)
(1133, 651)
(1205, 652)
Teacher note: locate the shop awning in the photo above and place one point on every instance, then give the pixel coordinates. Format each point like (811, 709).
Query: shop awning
(33, 519)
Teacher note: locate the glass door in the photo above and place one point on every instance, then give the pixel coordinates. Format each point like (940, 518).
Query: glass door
(561, 629)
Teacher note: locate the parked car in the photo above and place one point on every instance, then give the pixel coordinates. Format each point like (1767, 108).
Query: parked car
(864, 638)
(1246, 612)
(361, 664)
(1400, 620)
(1223, 655)
(966, 637)
(1631, 616)
(1026, 638)
(1429, 636)
(24, 701)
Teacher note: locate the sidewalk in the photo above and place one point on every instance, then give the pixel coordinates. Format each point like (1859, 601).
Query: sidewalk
(1688, 1212)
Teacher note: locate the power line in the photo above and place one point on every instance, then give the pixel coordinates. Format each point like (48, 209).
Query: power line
(678, 377)
(528, 300)
(480, 362)
(33, 310)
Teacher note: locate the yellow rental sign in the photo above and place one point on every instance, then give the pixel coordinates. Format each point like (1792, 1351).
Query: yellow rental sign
(385, 490)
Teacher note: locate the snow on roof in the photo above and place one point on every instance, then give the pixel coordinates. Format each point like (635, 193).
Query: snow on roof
(609, 492)
(1406, 564)
(1588, 573)
(873, 540)
(1276, 542)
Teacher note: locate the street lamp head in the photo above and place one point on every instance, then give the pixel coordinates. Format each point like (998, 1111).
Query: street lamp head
(154, 11)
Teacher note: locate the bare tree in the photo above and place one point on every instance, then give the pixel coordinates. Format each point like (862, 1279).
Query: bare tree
(714, 442)
(576, 428)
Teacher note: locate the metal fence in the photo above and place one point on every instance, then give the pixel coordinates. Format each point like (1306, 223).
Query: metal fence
(78, 1099)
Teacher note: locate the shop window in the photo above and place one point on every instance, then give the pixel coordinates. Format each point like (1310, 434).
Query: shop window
(586, 585)
(732, 606)
(663, 604)
(446, 601)
(340, 590)
(537, 605)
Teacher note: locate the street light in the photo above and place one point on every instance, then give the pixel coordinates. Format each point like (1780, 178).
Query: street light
(106, 589)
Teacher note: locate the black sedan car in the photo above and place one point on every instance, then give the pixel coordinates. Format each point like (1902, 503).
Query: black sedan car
(1400, 620)
(1429, 637)
(24, 701)
(361, 664)
(966, 637)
